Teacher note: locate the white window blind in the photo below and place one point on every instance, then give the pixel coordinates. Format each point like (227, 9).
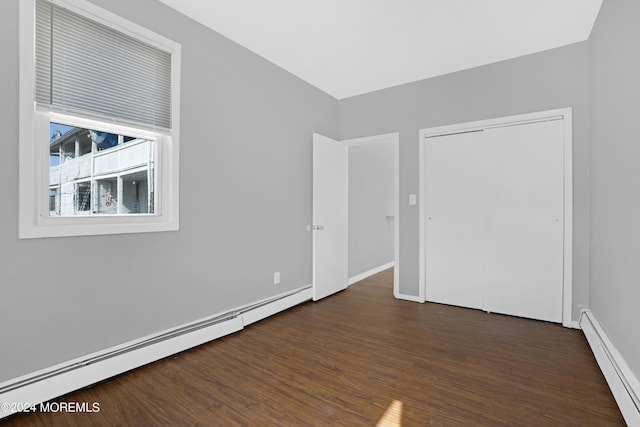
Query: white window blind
(87, 67)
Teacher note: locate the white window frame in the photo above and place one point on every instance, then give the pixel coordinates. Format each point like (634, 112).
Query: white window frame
(34, 217)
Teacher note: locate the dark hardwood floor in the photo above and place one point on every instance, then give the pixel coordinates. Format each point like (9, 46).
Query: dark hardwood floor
(346, 360)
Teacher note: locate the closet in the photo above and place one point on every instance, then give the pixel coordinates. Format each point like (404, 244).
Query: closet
(494, 219)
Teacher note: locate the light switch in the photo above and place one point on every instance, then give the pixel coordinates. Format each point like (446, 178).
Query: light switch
(412, 199)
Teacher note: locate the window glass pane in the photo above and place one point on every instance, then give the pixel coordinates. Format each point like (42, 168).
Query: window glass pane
(135, 193)
(107, 190)
(83, 197)
(92, 172)
(54, 201)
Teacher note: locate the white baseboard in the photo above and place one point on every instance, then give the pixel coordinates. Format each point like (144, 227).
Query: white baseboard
(574, 324)
(369, 273)
(623, 383)
(55, 381)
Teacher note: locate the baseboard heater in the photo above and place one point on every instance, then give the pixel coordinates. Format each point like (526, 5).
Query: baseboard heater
(72, 375)
(623, 383)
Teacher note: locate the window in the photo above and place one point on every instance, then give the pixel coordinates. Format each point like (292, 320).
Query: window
(82, 199)
(100, 99)
(54, 201)
(115, 171)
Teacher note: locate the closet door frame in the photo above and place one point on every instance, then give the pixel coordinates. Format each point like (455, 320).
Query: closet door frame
(565, 114)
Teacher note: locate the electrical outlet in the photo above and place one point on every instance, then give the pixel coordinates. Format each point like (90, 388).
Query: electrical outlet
(276, 277)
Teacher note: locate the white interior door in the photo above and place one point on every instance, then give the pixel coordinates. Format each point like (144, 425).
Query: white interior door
(523, 253)
(453, 226)
(330, 216)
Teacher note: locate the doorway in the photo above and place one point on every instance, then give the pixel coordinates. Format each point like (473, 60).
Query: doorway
(373, 205)
(330, 250)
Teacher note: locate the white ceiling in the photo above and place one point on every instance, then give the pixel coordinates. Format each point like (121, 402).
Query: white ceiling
(350, 47)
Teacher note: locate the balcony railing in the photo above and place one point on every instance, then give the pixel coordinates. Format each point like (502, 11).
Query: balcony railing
(127, 156)
(122, 157)
(70, 170)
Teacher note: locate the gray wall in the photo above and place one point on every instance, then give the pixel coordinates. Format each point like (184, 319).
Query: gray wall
(245, 187)
(372, 190)
(542, 81)
(615, 175)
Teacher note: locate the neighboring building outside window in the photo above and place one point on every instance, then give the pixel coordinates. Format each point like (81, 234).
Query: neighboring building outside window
(109, 174)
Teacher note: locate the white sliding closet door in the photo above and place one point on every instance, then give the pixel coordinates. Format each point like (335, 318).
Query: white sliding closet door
(523, 253)
(494, 219)
(454, 228)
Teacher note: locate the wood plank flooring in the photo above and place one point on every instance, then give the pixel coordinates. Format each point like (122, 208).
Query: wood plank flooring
(349, 359)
